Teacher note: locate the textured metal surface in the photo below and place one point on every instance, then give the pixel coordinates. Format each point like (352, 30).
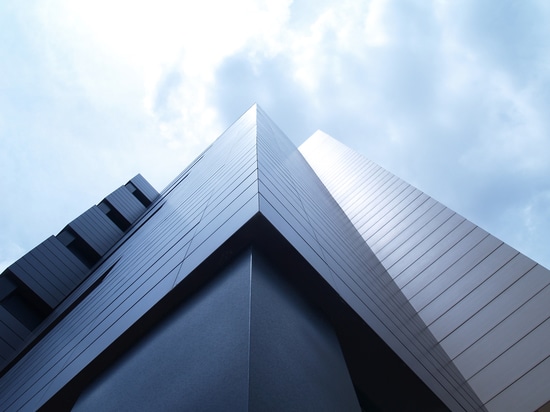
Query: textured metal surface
(251, 168)
(50, 271)
(486, 304)
(96, 229)
(179, 363)
(144, 187)
(433, 286)
(126, 204)
(178, 233)
(295, 358)
(294, 200)
(244, 341)
(12, 334)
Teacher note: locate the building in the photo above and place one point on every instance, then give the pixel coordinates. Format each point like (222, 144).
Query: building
(267, 277)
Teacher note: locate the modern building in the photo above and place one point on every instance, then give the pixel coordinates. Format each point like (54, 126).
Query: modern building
(270, 277)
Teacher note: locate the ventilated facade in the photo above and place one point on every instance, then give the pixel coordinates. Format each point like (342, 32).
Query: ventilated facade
(270, 278)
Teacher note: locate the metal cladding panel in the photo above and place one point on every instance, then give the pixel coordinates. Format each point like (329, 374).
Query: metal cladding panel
(254, 168)
(512, 364)
(50, 271)
(478, 304)
(221, 350)
(412, 201)
(311, 373)
(96, 229)
(6, 350)
(7, 336)
(463, 282)
(400, 193)
(26, 274)
(428, 250)
(418, 237)
(430, 266)
(177, 366)
(197, 212)
(126, 204)
(494, 311)
(296, 202)
(391, 238)
(514, 399)
(144, 187)
(518, 325)
(67, 265)
(12, 335)
(484, 302)
(204, 206)
(434, 292)
(17, 328)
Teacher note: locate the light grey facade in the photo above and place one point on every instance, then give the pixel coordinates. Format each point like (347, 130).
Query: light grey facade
(486, 304)
(270, 278)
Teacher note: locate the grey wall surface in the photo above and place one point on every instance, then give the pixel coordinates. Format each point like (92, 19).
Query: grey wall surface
(50, 271)
(486, 304)
(297, 203)
(196, 359)
(126, 204)
(296, 363)
(144, 188)
(244, 342)
(96, 229)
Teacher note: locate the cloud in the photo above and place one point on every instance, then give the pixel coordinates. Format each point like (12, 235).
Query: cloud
(95, 92)
(240, 83)
(451, 97)
(508, 35)
(431, 93)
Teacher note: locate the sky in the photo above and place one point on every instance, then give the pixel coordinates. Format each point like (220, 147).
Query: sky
(452, 96)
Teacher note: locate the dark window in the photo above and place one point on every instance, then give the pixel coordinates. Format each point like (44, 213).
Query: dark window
(113, 214)
(78, 247)
(7, 286)
(138, 194)
(22, 308)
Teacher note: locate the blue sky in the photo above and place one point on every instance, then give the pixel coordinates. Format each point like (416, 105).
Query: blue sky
(452, 96)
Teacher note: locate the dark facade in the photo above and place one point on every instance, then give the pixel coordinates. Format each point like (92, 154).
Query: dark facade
(270, 278)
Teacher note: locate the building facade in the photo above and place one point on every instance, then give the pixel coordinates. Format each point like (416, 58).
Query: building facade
(267, 277)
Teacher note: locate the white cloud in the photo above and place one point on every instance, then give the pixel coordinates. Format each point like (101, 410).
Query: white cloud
(418, 88)
(96, 91)
(375, 29)
(118, 50)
